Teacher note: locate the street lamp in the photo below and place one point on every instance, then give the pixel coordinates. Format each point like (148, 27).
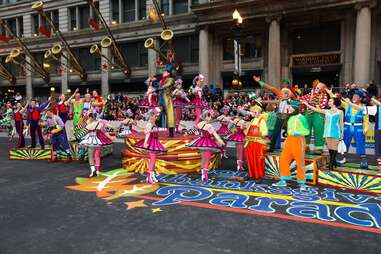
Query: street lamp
(237, 46)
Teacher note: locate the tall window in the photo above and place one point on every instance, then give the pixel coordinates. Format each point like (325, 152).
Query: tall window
(38, 21)
(115, 10)
(15, 25)
(128, 7)
(142, 9)
(322, 38)
(90, 62)
(186, 48)
(180, 6)
(251, 47)
(165, 7)
(135, 53)
(83, 17)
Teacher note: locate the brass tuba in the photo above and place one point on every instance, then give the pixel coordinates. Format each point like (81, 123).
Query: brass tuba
(110, 42)
(5, 74)
(150, 44)
(94, 49)
(57, 48)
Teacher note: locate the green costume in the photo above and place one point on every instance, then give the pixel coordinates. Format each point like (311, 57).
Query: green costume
(77, 111)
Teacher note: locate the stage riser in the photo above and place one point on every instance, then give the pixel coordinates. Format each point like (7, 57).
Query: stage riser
(46, 154)
(350, 181)
(178, 158)
(312, 164)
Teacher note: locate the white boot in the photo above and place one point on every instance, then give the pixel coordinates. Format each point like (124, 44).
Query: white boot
(92, 168)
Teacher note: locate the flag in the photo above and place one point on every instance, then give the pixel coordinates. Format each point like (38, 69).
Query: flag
(43, 30)
(93, 23)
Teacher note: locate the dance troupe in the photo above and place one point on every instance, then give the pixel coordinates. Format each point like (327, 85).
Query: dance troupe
(254, 128)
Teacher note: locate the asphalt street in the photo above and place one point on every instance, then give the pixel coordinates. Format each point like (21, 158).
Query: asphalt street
(39, 215)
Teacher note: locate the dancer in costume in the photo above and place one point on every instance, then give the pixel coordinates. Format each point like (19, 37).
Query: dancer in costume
(282, 112)
(255, 144)
(206, 144)
(34, 117)
(224, 130)
(151, 144)
(356, 124)
(179, 95)
(294, 148)
(6, 122)
(238, 137)
(152, 98)
(125, 127)
(166, 85)
(333, 127)
(317, 98)
(58, 137)
(61, 107)
(198, 102)
(96, 137)
(19, 123)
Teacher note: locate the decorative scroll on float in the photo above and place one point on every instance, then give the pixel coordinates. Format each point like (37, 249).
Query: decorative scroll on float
(178, 159)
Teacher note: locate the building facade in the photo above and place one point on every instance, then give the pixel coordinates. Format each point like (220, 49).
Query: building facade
(335, 41)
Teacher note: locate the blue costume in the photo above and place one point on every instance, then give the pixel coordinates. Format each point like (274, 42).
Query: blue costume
(354, 128)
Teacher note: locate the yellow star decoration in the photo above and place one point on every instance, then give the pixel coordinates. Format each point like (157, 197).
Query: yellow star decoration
(135, 204)
(156, 210)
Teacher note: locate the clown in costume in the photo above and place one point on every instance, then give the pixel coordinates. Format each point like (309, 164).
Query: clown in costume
(152, 99)
(282, 113)
(151, 144)
(255, 144)
(76, 108)
(166, 102)
(294, 149)
(317, 98)
(6, 122)
(206, 143)
(58, 136)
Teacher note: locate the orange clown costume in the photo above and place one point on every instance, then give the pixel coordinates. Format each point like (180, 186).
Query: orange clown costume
(294, 149)
(256, 145)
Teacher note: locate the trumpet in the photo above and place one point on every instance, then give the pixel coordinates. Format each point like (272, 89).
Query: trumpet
(15, 57)
(150, 44)
(96, 50)
(110, 42)
(72, 59)
(55, 53)
(5, 74)
(35, 65)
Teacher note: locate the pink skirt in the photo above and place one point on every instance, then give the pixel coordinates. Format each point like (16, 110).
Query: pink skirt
(198, 103)
(204, 143)
(237, 137)
(154, 145)
(223, 130)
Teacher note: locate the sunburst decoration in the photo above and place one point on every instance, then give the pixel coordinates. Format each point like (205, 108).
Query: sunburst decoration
(272, 168)
(30, 154)
(350, 180)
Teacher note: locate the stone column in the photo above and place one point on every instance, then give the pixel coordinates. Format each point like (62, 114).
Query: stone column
(104, 8)
(362, 44)
(152, 57)
(274, 63)
(203, 53)
(27, 20)
(63, 14)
